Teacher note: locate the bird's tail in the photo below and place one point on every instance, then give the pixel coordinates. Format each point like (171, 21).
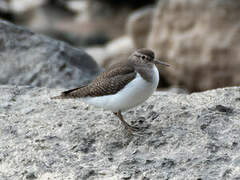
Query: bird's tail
(58, 97)
(72, 93)
(64, 95)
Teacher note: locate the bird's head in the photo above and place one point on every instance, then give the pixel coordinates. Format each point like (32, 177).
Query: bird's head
(145, 56)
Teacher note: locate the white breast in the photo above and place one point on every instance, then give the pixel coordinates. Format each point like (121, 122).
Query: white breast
(133, 94)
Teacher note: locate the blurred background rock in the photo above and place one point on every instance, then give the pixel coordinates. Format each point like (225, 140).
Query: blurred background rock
(79, 22)
(199, 38)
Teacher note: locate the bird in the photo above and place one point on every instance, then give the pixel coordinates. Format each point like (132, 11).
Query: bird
(122, 86)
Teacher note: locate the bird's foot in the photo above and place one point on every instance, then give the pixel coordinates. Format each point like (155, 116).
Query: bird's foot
(137, 131)
(132, 128)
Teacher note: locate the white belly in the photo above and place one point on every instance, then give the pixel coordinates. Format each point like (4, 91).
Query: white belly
(133, 94)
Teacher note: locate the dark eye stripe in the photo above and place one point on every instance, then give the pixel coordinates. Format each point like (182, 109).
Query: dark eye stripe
(147, 58)
(144, 57)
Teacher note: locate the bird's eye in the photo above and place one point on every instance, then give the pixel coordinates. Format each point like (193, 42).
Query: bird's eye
(143, 57)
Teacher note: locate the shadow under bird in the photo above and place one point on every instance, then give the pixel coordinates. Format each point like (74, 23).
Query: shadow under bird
(122, 86)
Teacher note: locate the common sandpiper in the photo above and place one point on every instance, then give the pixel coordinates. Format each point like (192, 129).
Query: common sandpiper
(121, 87)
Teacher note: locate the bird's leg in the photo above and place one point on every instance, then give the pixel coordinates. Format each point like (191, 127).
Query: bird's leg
(128, 126)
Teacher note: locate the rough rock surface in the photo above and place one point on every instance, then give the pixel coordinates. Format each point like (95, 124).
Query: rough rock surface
(193, 136)
(200, 39)
(27, 58)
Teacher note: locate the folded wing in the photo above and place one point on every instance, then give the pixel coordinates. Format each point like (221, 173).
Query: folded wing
(107, 83)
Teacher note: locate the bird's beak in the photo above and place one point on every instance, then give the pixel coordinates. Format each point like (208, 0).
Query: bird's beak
(160, 62)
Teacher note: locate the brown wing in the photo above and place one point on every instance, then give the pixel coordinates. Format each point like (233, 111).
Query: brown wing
(109, 82)
(116, 69)
(110, 85)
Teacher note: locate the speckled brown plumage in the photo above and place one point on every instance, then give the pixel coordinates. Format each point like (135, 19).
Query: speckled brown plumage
(109, 82)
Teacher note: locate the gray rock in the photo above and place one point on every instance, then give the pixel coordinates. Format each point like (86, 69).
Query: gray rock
(27, 58)
(193, 136)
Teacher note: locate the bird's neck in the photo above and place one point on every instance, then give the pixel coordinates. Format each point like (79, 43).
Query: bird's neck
(146, 72)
